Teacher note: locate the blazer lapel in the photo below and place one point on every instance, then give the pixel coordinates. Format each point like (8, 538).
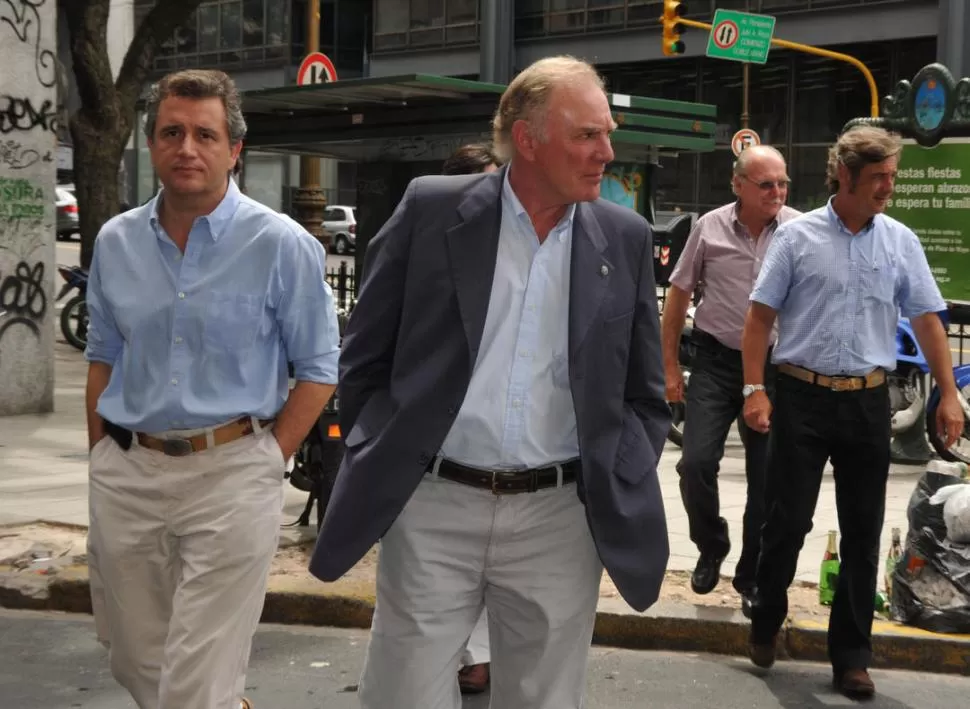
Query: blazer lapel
(473, 250)
(589, 275)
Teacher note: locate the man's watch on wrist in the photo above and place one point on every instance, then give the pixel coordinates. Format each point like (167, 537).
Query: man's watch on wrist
(750, 389)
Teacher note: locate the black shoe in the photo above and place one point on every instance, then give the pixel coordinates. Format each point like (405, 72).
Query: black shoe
(762, 655)
(706, 574)
(746, 601)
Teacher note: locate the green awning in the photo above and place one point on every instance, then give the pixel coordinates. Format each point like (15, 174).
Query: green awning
(425, 117)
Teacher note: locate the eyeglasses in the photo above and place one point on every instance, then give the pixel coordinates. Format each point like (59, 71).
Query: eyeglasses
(767, 185)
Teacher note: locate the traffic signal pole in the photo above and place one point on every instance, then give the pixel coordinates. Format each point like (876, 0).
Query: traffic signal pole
(817, 51)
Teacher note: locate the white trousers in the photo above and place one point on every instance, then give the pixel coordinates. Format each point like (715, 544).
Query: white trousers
(476, 649)
(179, 552)
(529, 558)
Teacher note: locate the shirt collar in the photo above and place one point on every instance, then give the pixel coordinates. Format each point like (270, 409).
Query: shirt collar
(837, 222)
(736, 222)
(560, 231)
(217, 220)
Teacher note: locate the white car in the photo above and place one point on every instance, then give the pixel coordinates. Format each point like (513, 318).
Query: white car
(341, 221)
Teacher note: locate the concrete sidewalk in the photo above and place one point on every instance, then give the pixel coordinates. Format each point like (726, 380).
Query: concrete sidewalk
(43, 476)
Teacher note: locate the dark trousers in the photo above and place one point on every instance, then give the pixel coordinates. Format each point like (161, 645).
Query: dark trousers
(714, 401)
(809, 425)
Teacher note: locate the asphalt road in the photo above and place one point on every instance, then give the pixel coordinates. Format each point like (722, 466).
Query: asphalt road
(52, 661)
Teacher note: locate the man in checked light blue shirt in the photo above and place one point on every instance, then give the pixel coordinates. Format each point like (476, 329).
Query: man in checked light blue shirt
(837, 278)
(197, 301)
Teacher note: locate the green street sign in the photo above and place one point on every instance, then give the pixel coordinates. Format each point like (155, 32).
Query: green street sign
(932, 198)
(740, 36)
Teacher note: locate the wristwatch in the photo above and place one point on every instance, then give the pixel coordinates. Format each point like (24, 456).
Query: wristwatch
(750, 389)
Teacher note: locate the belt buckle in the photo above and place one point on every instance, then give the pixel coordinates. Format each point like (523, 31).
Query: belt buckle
(496, 476)
(177, 447)
(843, 384)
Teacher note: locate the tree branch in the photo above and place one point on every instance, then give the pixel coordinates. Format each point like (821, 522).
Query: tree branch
(160, 24)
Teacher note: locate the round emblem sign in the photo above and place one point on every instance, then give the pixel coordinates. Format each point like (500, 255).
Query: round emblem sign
(930, 103)
(930, 106)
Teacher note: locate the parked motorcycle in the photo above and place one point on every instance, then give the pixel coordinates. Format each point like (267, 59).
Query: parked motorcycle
(907, 383)
(74, 315)
(317, 460)
(959, 451)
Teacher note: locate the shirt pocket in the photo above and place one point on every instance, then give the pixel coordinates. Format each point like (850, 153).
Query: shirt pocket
(231, 321)
(880, 283)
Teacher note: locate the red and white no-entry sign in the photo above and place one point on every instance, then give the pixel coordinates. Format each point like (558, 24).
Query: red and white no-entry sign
(316, 68)
(744, 138)
(725, 34)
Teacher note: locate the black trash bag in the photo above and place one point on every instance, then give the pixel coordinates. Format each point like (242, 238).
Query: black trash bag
(931, 582)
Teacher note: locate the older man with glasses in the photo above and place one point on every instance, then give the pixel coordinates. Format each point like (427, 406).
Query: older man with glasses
(724, 253)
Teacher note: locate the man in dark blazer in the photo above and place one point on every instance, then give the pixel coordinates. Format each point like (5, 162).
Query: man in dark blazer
(502, 400)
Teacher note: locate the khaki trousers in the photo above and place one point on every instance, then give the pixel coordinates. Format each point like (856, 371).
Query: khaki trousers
(179, 555)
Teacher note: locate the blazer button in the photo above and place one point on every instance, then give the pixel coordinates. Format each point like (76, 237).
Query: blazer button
(453, 411)
(424, 458)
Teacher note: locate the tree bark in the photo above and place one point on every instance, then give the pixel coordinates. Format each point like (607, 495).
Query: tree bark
(100, 129)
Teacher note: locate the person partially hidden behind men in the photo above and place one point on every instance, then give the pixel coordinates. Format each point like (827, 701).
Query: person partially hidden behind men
(837, 279)
(724, 252)
(501, 393)
(472, 159)
(197, 299)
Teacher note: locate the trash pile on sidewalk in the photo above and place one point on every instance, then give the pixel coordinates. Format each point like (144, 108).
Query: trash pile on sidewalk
(31, 554)
(931, 581)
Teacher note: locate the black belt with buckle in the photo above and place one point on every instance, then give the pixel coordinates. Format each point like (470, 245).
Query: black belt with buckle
(508, 482)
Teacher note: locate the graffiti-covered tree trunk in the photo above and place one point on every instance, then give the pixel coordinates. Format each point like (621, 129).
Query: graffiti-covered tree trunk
(101, 127)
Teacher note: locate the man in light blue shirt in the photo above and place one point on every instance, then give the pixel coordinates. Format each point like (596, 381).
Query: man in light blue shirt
(837, 279)
(197, 302)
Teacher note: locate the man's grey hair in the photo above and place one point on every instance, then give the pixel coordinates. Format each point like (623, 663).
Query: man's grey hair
(749, 155)
(527, 97)
(858, 147)
(198, 84)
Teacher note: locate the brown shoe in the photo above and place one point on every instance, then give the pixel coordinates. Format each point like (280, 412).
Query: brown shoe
(855, 684)
(245, 703)
(762, 655)
(473, 679)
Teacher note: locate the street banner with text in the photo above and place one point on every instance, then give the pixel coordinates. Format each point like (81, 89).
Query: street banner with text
(933, 199)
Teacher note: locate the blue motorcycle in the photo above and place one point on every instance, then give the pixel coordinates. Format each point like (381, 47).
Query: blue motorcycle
(907, 383)
(959, 452)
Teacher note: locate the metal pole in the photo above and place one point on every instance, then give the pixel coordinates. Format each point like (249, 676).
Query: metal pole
(309, 201)
(745, 83)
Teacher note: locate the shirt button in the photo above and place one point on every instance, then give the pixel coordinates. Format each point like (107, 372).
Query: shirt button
(175, 382)
(516, 403)
(178, 340)
(181, 295)
(178, 256)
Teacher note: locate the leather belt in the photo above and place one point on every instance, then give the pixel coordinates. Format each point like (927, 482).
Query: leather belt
(178, 447)
(507, 482)
(873, 379)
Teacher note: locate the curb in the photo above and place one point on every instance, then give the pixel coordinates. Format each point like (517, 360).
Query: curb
(665, 627)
